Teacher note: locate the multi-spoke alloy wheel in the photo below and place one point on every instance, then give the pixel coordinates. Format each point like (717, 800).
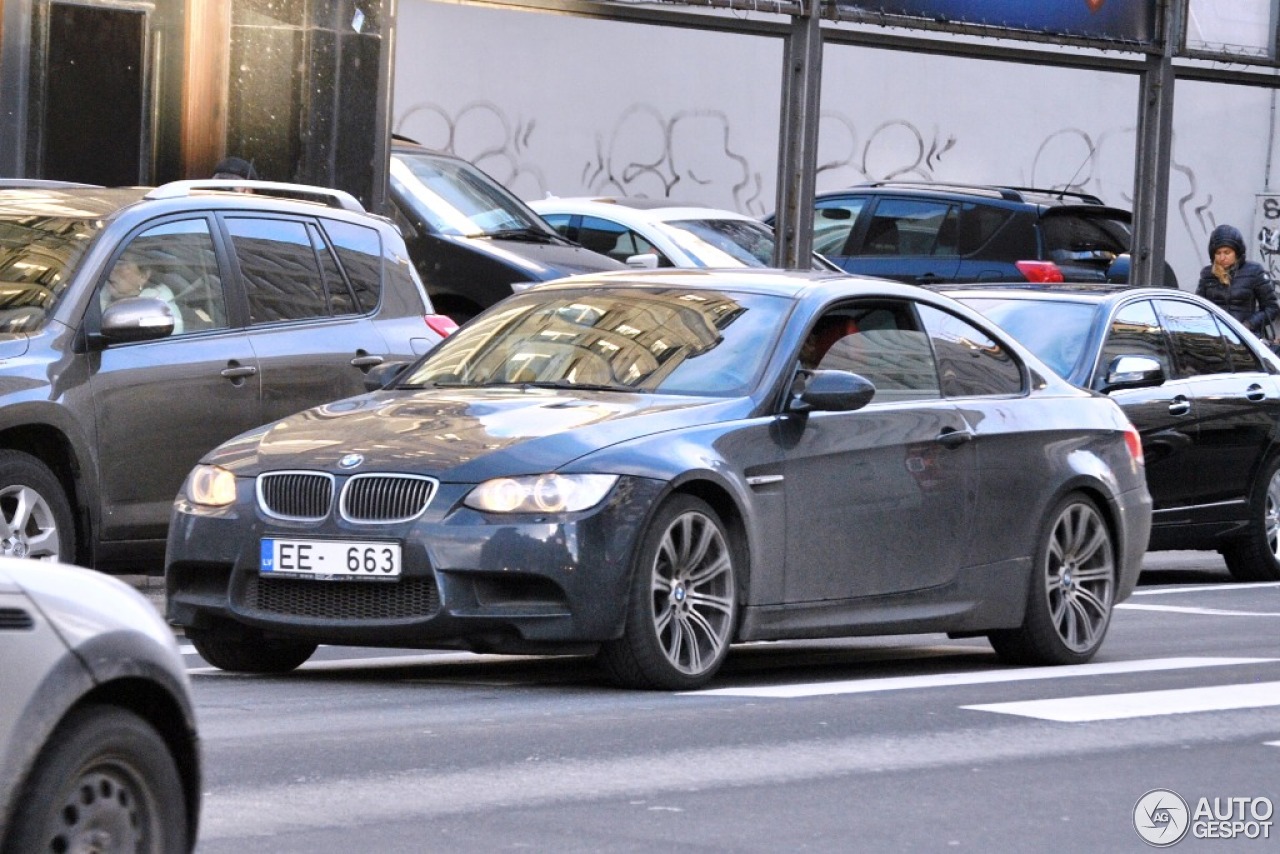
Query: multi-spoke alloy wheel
(1255, 556)
(35, 517)
(1072, 590)
(683, 606)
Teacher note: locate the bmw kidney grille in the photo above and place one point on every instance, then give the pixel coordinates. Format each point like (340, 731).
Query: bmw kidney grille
(365, 498)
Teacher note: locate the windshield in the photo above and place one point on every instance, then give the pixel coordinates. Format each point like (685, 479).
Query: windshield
(668, 340)
(38, 255)
(1056, 331)
(723, 242)
(453, 197)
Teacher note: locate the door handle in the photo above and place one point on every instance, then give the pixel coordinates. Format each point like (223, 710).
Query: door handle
(234, 370)
(364, 362)
(1255, 392)
(1179, 406)
(953, 438)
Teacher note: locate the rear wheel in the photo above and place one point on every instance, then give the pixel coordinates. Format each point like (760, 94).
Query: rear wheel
(247, 651)
(35, 515)
(1072, 591)
(682, 606)
(1256, 555)
(105, 781)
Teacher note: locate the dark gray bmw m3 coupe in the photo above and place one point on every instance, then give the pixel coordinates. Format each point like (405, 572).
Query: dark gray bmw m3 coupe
(651, 466)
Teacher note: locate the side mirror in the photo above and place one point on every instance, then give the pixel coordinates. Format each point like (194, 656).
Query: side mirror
(136, 319)
(832, 391)
(645, 261)
(381, 376)
(1132, 372)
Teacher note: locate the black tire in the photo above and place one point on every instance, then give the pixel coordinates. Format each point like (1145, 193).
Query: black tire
(105, 781)
(682, 606)
(1072, 590)
(35, 515)
(1256, 555)
(247, 651)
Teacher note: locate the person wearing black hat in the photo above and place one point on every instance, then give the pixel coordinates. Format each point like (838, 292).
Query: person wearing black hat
(235, 168)
(1242, 288)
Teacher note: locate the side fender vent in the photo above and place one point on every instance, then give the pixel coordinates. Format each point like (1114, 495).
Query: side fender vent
(16, 619)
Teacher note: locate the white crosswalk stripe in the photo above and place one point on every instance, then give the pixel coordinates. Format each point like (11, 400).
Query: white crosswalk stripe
(1142, 704)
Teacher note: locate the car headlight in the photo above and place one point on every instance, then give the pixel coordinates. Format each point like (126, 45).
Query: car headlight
(543, 493)
(211, 486)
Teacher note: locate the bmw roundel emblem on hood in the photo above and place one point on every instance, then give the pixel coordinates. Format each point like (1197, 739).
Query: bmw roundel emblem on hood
(350, 461)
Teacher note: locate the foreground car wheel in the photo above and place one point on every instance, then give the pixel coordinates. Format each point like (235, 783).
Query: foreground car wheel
(249, 652)
(1256, 556)
(1072, 590)
(682, 607)
(35, 516)
(105, 782)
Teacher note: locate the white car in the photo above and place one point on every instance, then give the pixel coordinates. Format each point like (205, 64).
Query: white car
(661, 233)
(98, 744)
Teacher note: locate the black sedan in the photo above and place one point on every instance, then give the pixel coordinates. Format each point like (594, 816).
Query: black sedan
(653, 465)
(1203, 392)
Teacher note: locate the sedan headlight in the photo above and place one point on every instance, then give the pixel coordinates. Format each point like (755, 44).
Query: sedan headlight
(543, 493)
(211, 486)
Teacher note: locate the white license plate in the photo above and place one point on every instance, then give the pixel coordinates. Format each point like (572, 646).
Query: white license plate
(329, 559)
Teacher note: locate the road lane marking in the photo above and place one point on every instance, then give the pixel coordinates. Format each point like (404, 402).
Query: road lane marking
(1142, 704)
(947, 680)
(1211, 612)
(1214, 588)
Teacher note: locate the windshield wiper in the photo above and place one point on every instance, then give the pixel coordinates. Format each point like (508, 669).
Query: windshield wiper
(526, 233)
(570, 384)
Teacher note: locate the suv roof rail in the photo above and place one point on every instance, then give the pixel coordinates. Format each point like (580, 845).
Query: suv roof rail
(1008, 193)
(301, 192)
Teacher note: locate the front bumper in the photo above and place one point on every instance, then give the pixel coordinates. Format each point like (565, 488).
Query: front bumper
(471, 580)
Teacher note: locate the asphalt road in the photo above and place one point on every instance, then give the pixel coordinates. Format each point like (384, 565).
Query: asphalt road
(875, 744)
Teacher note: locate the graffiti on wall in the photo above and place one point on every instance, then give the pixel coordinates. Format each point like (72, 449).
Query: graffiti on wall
(694, 156)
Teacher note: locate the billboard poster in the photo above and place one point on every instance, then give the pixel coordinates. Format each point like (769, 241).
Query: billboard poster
(1124, 20)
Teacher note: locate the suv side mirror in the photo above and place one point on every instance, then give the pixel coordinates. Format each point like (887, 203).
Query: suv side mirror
(380, 376)
(136, 319)
(1133, 372)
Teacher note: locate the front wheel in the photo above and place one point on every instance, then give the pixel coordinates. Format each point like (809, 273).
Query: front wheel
(683, 602)
(35, 515)
(106, 781)
(248, 651)
(1256, 555)
(1072, 590)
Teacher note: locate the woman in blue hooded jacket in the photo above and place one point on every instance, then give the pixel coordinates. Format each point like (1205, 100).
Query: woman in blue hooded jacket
(1241, 288)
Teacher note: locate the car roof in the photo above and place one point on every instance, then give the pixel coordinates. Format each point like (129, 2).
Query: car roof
(633, 209)
(1061, 291)
(68, 202)
(1038, 197)
(764, 280)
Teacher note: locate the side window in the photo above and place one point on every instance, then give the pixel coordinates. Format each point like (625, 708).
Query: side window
(1198, 348)
(910, 227)
(560, 222)
(833, 221)
(359, 250)
(880, 340)
(629, 243)
(600, 235)
(174, 262)
(1243, 360)
(970, 363)
(977, 224)
(340, 299)
(279, 267)
(1134, 331)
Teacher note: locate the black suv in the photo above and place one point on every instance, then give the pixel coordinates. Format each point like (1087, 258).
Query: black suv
(471, 239)
(140, 328)
(931, 234)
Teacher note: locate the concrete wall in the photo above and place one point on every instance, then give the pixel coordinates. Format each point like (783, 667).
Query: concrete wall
(557, 104)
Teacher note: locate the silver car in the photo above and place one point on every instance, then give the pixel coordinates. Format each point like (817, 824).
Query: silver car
(98, 748)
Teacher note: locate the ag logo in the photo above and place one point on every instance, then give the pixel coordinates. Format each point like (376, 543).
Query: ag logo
(1161, 818)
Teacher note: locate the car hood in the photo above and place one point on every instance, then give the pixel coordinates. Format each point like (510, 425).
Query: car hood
(539, 262)
(465, 435)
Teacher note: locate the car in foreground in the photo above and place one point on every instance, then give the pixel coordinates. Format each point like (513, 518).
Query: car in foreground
(141, 327)
(98, 741)
(1203, 392)
(652, 465)
(661, 233)
(939, 233)
(472, 241)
